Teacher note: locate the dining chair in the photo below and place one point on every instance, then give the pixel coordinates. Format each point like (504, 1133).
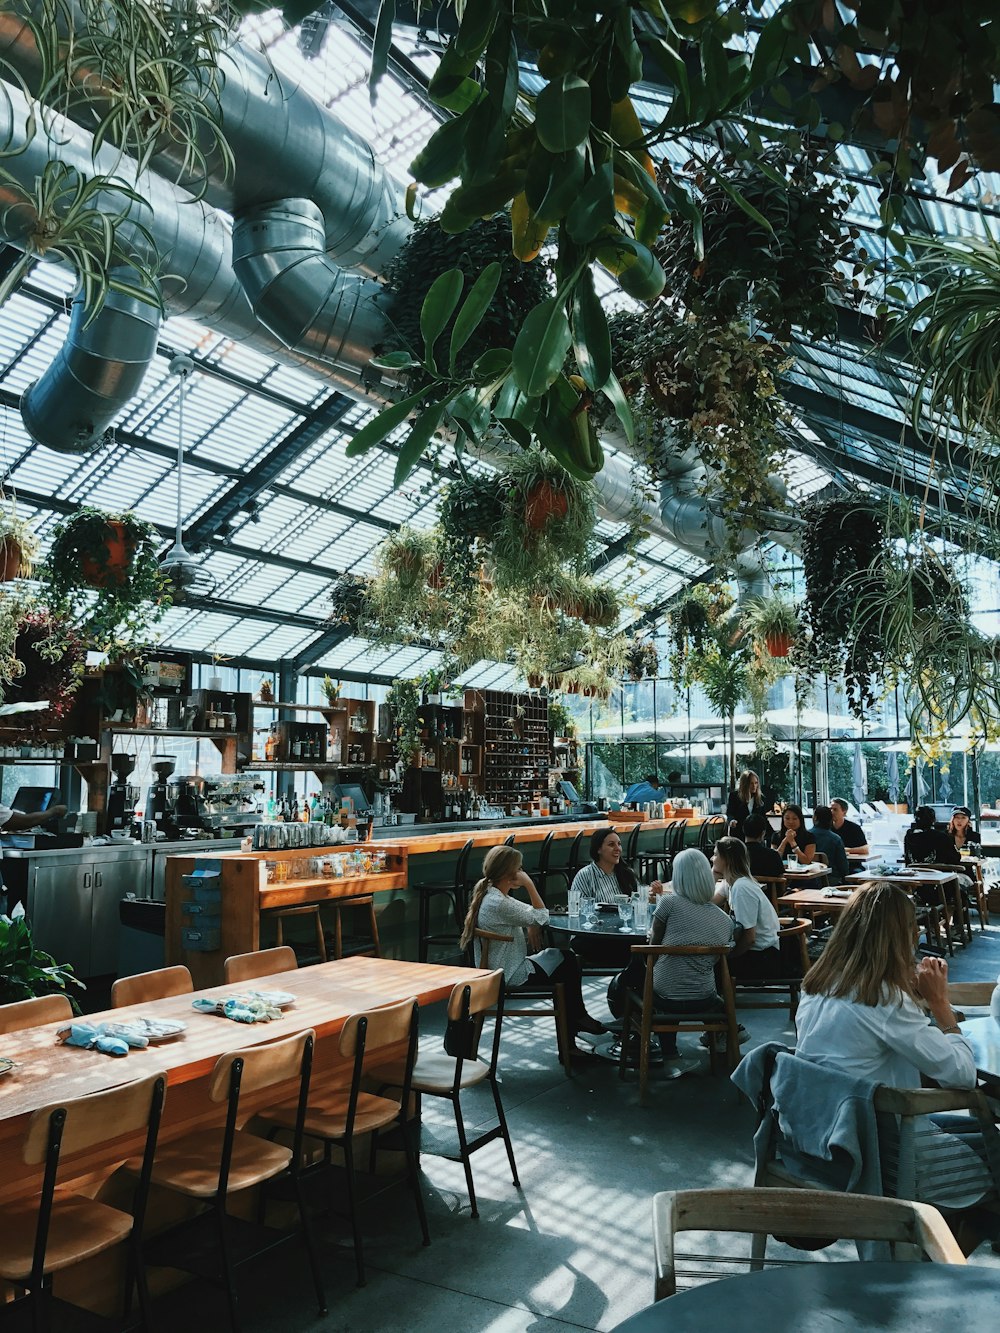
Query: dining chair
(642, 1016)
(219, 1161)
(21, 1014)
(819, 1215)
(338, 1117)
(249, 966)
(774, 886)
(630, 847)
(438, 1074)
(158, 985)
(776, 992)
(40, 1237)
(555, 993)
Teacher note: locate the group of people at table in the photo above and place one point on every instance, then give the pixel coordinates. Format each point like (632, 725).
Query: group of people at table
(868, 1007)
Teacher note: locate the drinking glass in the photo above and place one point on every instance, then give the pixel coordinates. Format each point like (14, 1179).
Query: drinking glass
(574, 902)
(589, 913)
(624, 913)
(641, 908)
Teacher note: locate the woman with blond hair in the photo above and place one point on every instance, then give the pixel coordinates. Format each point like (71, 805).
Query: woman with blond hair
(744, 800)
(756, 954)
(861, 1012)
(493, 909)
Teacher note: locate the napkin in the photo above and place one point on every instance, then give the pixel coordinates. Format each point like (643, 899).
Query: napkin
(92, 1038)
(239, 1008)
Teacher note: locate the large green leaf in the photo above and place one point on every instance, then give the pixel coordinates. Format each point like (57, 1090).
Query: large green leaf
(439, 306)
(562, 114)
(501, 68)
(620, 403)
(440, 159)
(541, 347)
(492, 364)
(417, 441)
(554, 182)
(381, 43)
(478, 20)
(384, 424)
(591, 337)
(471, 314)
(594, 207)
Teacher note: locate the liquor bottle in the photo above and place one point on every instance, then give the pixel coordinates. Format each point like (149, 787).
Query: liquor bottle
(271, 746)
(294, 815)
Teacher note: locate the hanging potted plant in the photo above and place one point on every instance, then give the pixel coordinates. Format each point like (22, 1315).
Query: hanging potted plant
(49, 657)
(773, 623)
(116, 556)
(410, 556)
(348, 601)
(642, 661)
(18, 544)
(403, 699)
(547, 523)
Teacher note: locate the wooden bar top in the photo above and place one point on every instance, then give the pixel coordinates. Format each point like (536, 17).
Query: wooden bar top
(420, 844)
(47, 1072)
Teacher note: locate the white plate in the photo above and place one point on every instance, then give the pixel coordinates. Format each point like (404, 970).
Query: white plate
(281, 999)
(6, 1065)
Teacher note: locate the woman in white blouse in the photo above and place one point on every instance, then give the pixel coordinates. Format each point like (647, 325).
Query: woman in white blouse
(861, 1012)
(493, 909)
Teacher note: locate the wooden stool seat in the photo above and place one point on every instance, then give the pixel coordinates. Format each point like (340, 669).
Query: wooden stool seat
(434, 1072)
(280, 914)
(190, 1165)
(80, 1228)
(326, 1118)
(372, 949)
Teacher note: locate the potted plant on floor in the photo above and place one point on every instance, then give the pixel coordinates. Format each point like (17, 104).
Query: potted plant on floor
(27, 971)
(114, 555)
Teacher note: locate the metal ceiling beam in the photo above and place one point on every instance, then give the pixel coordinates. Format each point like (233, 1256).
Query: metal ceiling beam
(329, 637)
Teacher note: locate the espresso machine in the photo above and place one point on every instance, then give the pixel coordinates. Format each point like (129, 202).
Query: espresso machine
(187, 804)
(159, 798)
(122, 796)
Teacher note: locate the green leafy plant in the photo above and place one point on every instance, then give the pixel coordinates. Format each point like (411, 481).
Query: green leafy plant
(18, 543)
(348, 601)
(49, 656)
(27, 971)
(403, 699)
(561, 721)
(769, 239)
(331, 690)
(772, 623)
(102, 573)
(642, 661)
(472, 508)
(547, 522)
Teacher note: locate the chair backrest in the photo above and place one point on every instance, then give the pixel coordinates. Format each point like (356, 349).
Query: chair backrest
(573, 860)
(483, 995)
(959, 992)
(260, 1066)
(822, 858)
(792, 932)
(462, 865)
(468, 1005)
(371, 1031)
(631, 846)
(249, 966)
(158, 985)
(95, 1119)
(678, 832)
(485, 937)
(33, 1013)
(817, 1214)
(653, 951)
(544, 852)
(509, 841)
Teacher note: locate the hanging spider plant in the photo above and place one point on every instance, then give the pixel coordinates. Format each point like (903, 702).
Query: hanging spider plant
(147, 76)
(85, 221)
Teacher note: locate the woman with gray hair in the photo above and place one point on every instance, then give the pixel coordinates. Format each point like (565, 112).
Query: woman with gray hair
(683, 984)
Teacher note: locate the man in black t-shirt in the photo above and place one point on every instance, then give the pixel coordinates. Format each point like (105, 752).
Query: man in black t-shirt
(763, 860)
(850, 834)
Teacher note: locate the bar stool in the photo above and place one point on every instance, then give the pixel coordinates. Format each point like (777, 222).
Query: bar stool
(710, 832)
(456, 891)
(312, 910)
(630, 851)
(544, 871)
(573, 860)
(41, 1237)
(370, 949)
(158, 985)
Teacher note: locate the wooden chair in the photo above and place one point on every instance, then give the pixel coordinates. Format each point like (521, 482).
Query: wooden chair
(971, 993)
(158, 985)
(337, 1117)
(214, 1163)
(21, 1014)
(962, 898)
(642, 1016)
(312, 910)
(820, 1215)
(43, 1236)
(456, 891)
(556, 993)
(437, 1074)
(249, 966)
(899, 1113)
(774, 886)
(774, 990)
(370, 948)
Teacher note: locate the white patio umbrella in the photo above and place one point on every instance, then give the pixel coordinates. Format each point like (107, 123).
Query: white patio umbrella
(859, 775)
(892, 773)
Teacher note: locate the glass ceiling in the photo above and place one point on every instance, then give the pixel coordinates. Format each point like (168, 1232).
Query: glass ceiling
(306, 513)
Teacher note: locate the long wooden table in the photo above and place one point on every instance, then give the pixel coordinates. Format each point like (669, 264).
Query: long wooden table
(48, 1072)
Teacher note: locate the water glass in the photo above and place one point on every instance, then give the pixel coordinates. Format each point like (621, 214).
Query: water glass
(574, 903)
(589, 913)
(641, 909)
(624, 912)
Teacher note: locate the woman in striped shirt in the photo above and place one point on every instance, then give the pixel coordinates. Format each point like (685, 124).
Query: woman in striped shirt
(607, 875)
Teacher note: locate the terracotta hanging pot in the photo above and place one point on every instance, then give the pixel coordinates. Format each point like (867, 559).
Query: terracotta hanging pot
(589, 691)
(572, 687)
(535, 681)
(543, 504)
(435, 579)
(115, 570)
(778, 645)
(11, 559)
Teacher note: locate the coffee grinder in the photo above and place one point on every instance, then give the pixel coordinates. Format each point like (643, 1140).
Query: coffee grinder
(159, 799)
(121, 795)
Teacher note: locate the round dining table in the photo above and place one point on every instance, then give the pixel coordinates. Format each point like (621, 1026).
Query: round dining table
(831, 1298)
(606, 924)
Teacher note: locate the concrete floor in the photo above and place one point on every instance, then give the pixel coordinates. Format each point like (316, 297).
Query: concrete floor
(570, 1249)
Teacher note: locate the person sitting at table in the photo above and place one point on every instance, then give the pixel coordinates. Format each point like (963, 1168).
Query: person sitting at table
(651, 788)
(607, 875)
(762, 858)
(963, 835)
(927, 844)
(829, 843)
(493, 909)
(755, 955)
(745, 799)
(793, 838)
(860, 1012)
(684, 985)
(850, 834)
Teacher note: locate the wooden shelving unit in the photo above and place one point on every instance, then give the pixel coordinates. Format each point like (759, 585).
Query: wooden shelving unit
(516, 749)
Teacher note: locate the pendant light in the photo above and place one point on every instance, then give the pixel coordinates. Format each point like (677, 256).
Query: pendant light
(188, 577)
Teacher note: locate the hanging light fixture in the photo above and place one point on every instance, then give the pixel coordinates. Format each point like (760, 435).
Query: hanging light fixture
(188, 577)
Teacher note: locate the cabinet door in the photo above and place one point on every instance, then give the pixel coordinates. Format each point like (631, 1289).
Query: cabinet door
(60, 905)
(114, 877)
